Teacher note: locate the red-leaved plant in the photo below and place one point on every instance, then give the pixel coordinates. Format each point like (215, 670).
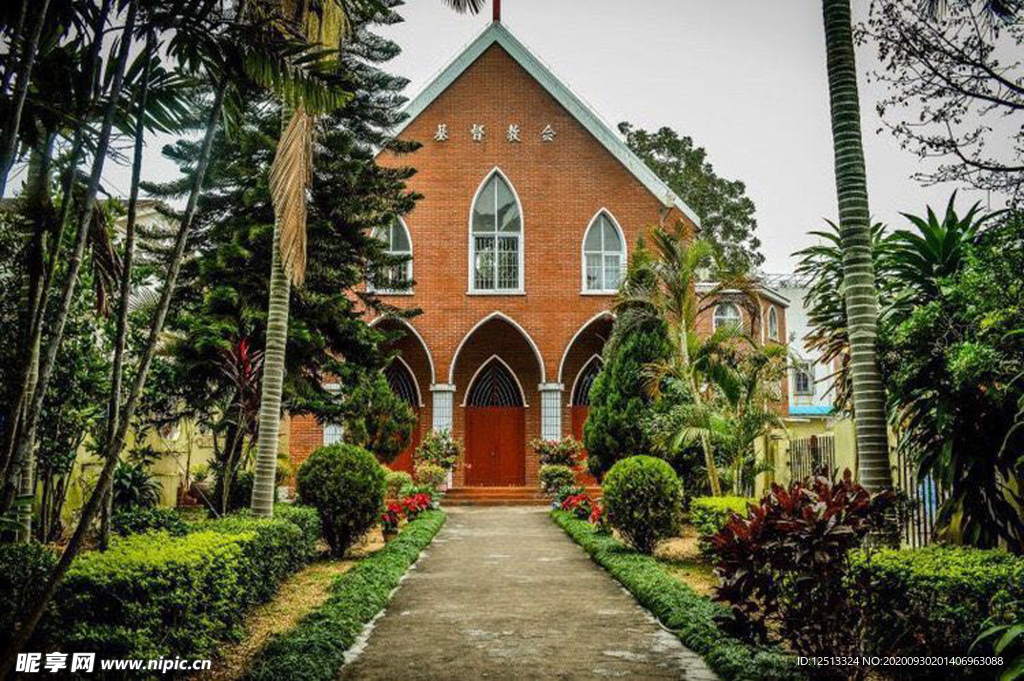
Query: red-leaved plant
(391, 518)
(578, 504)
(414, 504)
(782, 568)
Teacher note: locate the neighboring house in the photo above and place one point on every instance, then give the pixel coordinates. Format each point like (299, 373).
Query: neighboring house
(530, 207)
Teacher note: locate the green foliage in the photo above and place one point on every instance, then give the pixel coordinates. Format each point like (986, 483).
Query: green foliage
(134, 486)
(430, 474)
(619, 398)
(564, 452)
(24, 571)
(440, 447)
(394, 481)
(934, 600)
(315, 648)
(726, 212)
(710, 514)
(642, 497)
(346, 485)
(176, 596)
(305, 518)
(139, 519)
(377, 419)
(554, 477)
(240, 493)
(691, 617)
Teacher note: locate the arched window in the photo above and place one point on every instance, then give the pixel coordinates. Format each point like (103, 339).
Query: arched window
(496, 242)
(727, 314)
(494, 386)
(585, 381)
(333, 433)
(803, 378)
(397, 278)
(402, 382)
(603, 256)
(773, 323)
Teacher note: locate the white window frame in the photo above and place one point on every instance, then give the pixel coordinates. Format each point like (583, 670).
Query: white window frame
(714, 314)
(471, 243)
(583, 255)
(408, 265)
(773, 321)
(806, 368)
(335, 430)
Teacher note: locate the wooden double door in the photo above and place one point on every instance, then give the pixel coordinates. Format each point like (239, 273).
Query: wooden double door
(495, 446)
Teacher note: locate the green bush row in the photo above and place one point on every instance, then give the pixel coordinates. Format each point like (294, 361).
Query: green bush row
(690, 616)
(158, 595)
(315, 648)
(934, 600)
(710, 514)
(24, 572)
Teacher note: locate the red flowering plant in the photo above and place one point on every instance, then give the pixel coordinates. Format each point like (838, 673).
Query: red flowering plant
(391, 517)
(598, 518)
(580, 505)
(415, 504)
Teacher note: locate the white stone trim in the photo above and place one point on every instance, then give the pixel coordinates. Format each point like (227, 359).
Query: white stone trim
(442, 396)
(503, 317)
(565, 353)
(593, 357)
(496, 33)
(426, 348)
(415, 382)
(551, 411)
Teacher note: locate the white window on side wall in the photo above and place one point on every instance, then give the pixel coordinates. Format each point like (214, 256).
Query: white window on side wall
(604, 255)
(496, 238)
(396, 278)
(773, 324)
(803, 378)
(333, 432)
(727, 314)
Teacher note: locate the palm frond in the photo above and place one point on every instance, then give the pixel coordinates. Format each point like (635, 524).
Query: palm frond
(290, 177)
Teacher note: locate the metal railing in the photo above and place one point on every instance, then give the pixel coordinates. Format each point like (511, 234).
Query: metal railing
(924, 497)
(814, 455)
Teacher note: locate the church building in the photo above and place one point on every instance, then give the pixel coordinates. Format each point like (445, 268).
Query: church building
(531, 206)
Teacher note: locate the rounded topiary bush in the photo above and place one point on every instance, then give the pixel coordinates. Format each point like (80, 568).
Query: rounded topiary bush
(554, 477)
(346, 485)
(396, 480)
(641, 496)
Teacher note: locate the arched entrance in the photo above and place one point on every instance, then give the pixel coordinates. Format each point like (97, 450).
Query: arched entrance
(403, 384)
(495, 427)
(580, 404)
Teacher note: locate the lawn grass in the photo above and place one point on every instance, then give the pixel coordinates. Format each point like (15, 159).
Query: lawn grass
(315, 647)
(689, 615)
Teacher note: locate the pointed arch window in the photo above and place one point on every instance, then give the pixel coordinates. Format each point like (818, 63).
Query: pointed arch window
(494, 386)
(727, 314)
(603, 255)
(773, 324)
(402, 382)
(585, 381)
(496, 241)
(396, 278)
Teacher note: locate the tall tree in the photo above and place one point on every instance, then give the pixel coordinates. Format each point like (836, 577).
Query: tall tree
(726, 212)
(290, 177)
(858, 265)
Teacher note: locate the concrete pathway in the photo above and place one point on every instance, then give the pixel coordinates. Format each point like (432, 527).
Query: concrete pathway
(503, 593)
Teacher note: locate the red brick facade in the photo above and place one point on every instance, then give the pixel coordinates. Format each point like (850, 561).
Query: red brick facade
(547, 333)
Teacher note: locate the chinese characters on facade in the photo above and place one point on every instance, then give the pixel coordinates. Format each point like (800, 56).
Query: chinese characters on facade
(478, 132)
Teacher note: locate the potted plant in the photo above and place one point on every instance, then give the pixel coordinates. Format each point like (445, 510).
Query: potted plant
(440, 448)
(389, 521)
(201, 487)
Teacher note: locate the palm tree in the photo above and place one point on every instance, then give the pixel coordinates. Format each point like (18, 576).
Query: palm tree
(290, 175)
(858, 266)
(663, 283)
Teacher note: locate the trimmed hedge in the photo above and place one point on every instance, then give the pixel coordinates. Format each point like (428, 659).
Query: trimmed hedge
(180, 595)
(136, 520)
(315, 648)
(710, 514)
(934, 600)
(153, 595)
(24, 571)
(690, 616)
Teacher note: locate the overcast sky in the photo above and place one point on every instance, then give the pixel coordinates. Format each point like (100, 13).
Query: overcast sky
(744, 78)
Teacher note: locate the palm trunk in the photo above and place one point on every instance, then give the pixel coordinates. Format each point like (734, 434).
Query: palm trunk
(858, 267)
(705, 442)
(9, 143)
(11, 62)
(26, 438)
(114, 403)
(112, 450)
(262, 503)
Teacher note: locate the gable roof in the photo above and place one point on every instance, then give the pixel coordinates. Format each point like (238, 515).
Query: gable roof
(496, 33)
